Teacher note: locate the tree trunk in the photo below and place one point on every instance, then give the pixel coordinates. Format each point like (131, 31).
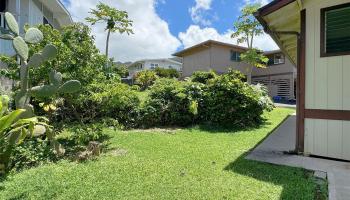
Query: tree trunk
(249, 78)
(249, 74)
(107, 48)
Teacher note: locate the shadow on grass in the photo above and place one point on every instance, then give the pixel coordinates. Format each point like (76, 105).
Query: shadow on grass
(296, 183)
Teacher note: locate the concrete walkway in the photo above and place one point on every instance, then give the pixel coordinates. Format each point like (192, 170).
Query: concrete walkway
(282, 105)
(283, 140)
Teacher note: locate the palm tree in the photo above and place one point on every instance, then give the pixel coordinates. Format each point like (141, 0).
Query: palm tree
(116, 20)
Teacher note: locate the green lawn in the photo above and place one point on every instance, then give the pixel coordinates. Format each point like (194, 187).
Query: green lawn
(193, 163)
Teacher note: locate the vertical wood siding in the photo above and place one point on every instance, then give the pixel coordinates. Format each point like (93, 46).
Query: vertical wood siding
(328, 88)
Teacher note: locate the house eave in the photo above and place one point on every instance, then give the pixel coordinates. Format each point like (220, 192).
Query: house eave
(284, 35)
(60, 12)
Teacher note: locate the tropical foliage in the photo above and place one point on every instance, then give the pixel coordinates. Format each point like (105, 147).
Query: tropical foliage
(167, 73)
(247, 28)
(14, 130)
(117, 20)
(55, 84)
(145, 78)
(202, 76)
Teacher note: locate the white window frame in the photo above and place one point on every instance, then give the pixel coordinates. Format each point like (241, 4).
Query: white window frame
(279, 61)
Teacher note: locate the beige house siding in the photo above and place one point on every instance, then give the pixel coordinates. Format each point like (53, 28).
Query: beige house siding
(217, 56)
(213, 57)
(279, 79)
(221, 60)
(327, 88)
(199, 61)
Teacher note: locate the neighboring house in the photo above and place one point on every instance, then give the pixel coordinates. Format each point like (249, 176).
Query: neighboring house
(149, 64)
(279, 76)
(32, 12)
(315, 34)
(211, 55)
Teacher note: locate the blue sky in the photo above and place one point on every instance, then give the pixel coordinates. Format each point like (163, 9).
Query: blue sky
(222, 14)
(163, 27)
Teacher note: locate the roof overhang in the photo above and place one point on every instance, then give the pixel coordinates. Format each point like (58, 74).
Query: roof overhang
(281, 20)
(60, 12)
(205, 45)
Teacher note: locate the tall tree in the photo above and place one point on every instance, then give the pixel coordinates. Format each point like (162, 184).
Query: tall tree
(246, 29)
(116, 20)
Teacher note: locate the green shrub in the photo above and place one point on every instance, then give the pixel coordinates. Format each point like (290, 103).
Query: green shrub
(230, 101)
(135, 88)
(120, 69)
(202, 76)
(145, 78)
(83, 134)
(167, 73)
(106, 99)
(172, 102)
(33, 152)
(225, 100)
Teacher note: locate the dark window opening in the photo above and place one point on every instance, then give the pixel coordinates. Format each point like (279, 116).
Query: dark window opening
(235, 56)
(335, 30)
(2, 5)
(278, 59)
(45, 21)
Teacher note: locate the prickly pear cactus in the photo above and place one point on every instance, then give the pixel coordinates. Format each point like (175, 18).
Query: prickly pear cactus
(20, 45)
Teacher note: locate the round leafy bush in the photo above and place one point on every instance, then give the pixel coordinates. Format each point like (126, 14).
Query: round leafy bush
(203, 77)
(167, 73)
(108, 100)
(172, 102)
(135, 87)
(145, 78)
(225, 100)
(230, 101)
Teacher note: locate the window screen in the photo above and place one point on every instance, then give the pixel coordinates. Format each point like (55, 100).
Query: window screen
(235, 56)
(337, 30)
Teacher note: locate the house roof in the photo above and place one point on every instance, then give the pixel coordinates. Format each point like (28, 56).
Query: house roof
(272, 52)
(156, 60)
(205, 45)
(59, 11)
(281, 19)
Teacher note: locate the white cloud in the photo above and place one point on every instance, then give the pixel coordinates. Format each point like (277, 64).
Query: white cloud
(262, 2)
(194, 35)
(152, 38)
(199, 13)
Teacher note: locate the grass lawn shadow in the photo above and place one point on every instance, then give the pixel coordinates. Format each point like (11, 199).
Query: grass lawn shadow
(297, 183)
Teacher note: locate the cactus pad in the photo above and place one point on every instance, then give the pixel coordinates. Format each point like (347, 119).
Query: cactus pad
(39, 130)
(70, 87)
(35, 61)
(44, 91)
(33, 36)
(55, 78)
(49, 52)
(12, 23)
(21, 47)
(6, 37)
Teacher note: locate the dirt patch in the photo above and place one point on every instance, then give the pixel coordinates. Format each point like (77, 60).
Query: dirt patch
(119, 152)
